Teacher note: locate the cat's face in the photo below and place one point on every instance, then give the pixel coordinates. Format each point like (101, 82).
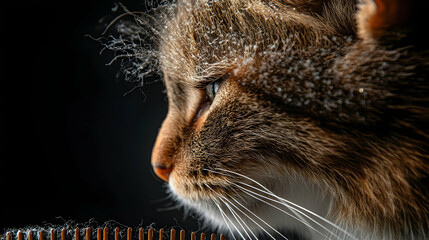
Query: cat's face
(272, 105)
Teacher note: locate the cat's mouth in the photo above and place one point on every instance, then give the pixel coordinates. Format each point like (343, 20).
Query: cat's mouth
(219, 185)
(200, 188)
(237, 203)
(213, 201)
(220, 194)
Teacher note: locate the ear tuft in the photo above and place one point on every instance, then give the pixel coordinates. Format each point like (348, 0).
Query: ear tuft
(378, 17)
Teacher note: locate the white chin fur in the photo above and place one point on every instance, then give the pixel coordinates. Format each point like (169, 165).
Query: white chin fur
(205, 208)
(296, 191)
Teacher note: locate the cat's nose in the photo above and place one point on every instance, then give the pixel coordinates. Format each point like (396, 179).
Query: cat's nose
(162, 171)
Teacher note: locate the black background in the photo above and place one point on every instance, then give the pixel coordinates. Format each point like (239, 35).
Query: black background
(73, 146)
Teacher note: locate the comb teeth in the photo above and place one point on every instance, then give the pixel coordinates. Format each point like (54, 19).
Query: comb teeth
(104, 234)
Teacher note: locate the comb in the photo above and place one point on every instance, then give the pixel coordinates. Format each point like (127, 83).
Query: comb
(104, 234)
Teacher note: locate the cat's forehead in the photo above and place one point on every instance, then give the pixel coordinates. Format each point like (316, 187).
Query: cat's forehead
(203, 41)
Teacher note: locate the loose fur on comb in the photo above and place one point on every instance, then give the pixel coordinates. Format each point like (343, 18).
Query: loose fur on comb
(92, 230)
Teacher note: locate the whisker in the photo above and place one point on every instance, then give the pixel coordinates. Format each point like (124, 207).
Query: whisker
(253, 234)
(299, 216)
(290, 207)
(239, 232)
(224, 219)
(260, 219)
(232, 204)
(249, 217)
(294, 210)
(236, 216)
(267, 191)
(250, 193)
(232, 212)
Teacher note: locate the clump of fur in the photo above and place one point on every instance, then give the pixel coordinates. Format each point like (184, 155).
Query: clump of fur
(70, 227)
(135, 42)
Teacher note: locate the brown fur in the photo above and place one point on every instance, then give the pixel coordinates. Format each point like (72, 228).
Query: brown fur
(304, 93)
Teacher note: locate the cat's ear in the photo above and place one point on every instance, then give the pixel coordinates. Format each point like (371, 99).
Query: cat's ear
(378, 18)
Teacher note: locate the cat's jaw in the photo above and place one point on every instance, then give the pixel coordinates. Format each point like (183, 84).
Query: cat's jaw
(264, 215)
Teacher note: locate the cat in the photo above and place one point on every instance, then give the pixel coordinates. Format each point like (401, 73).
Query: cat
(297, 119)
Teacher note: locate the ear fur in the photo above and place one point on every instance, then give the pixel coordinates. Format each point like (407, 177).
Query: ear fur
(378, 18)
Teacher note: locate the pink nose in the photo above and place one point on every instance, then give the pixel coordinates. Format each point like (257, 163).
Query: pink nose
(162, 171)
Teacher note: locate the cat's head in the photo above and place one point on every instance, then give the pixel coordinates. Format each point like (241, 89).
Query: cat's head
(322, 104)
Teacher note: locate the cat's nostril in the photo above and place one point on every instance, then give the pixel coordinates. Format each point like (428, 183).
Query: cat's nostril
(162, 171)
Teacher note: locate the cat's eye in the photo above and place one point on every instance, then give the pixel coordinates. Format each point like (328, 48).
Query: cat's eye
(212, 89)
